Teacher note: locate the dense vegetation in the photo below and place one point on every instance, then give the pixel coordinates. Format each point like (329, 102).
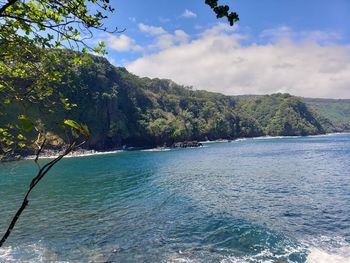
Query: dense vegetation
(333, 109)
(123, 109)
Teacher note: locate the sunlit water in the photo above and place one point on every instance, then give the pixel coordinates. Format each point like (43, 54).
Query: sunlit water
(256, 200)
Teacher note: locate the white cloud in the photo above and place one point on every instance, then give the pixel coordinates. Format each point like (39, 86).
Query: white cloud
(188, 14)
(168, 40)
(218, 29)
(151, 30)
(218, 61)
(162, 38)
(286, 33)
(122, 43)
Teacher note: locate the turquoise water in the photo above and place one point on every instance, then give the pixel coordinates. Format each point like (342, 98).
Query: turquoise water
(256, 200)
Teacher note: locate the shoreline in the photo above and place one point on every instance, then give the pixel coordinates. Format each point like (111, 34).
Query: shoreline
(85, 153)
(78, 153)
(266, 137)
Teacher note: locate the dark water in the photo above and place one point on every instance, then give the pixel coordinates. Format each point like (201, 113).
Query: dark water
(261, 200)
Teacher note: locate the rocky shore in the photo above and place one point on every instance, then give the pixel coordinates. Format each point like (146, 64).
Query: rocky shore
(186, 144)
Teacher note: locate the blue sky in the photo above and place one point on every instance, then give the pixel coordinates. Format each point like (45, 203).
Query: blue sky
(296, 46)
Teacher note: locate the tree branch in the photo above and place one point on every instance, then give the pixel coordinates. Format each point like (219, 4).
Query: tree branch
(42, 172)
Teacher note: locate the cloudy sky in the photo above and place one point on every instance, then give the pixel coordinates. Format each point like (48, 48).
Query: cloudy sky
(295, 46)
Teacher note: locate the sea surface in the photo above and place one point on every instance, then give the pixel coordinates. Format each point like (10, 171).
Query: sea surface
(254, 200)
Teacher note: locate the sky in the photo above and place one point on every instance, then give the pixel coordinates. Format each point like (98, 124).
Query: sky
(294, 46)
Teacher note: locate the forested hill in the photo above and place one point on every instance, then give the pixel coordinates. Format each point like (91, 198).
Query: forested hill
(337, 110)
(123, 109)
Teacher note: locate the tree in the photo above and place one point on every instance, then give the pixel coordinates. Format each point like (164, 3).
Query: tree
(30, 32)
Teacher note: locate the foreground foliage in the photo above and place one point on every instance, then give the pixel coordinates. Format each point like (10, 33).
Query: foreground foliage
(31, 31)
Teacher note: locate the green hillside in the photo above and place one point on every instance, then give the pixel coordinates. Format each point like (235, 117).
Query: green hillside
(123, 109)
(336, 110)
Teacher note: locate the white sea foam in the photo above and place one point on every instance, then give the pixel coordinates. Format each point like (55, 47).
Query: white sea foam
(241, 139)
(33, 253)
(215, 141)
(74, 154)
(39, 253)
(266, 138)
(330, 134)
(289, 137)
(6, 254)
(156, 150)
(340, 255)
(245, 259)
(326, 249)
(334, 253)
(275, 137)
(262, 256)
(265, 256)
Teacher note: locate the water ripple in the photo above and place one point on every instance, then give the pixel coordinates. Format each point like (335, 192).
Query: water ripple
(260, 200)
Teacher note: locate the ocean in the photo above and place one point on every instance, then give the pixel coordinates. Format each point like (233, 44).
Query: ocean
(253, 200)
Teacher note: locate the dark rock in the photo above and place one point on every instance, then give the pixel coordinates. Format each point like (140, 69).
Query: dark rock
(186, 144)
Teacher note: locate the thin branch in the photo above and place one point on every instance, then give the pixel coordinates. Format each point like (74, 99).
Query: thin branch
(42, 172)
(39, 151)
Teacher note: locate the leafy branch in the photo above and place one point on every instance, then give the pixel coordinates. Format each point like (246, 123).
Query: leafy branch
(33, 36)
(223, 11)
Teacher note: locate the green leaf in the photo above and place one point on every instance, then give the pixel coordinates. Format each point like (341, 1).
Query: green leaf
(72, 124)
(21, 137)
(26, 124)
(82, 129)
(21, 145)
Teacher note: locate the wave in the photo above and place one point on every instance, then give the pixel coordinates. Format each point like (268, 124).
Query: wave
(156, 150)
(73, 154)
(265, 256)
(215, 141)
(326, 249)
(39, 253)
(30, 253)
(268, 137)
(315, 256)
(276, 137)
(241, 139)
(330, 134)
(339, 255)
(322, 249)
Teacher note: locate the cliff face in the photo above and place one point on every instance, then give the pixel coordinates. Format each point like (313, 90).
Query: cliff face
(123, 109)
